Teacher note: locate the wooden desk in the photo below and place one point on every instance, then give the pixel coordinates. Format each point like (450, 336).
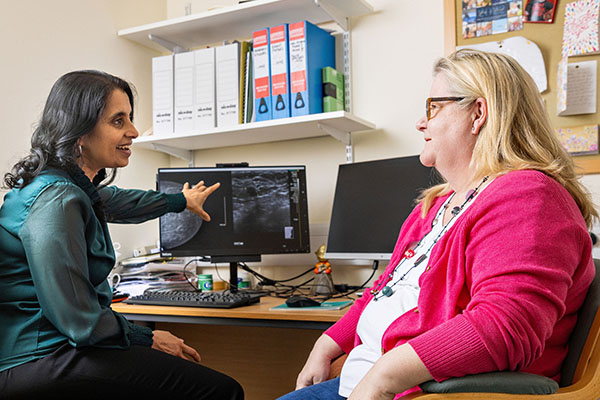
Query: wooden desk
(263, 350)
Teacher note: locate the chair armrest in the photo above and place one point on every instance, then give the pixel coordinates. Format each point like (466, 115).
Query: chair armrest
(494, 382)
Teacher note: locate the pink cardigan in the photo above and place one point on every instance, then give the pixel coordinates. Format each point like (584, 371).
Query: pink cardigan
(502, 287)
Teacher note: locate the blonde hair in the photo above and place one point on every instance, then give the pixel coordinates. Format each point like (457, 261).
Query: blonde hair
(517, 134)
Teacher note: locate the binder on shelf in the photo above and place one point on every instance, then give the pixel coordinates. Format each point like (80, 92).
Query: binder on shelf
(280, 71)
(162, 95)
(262, 75)
(184, 92)
(311, 50)
(228, 83)
(249, 89)
(205, 93)
(333, 90)
(245, 47)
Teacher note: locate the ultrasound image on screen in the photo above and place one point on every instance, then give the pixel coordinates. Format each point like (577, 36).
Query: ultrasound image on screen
(260, 200)
(260, 210)
(177, 228)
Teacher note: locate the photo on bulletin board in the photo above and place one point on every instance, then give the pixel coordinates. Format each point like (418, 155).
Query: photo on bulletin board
(490, 17)
(540, 11)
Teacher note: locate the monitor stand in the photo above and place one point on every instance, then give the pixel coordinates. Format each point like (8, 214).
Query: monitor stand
(234, 262)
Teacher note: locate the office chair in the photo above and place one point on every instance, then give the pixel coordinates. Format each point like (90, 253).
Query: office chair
(580, 374)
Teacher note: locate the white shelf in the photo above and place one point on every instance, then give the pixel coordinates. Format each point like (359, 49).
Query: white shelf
(240, 21)
(338, 124)
(237, 22)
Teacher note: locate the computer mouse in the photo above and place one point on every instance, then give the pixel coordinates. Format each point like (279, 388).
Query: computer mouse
(301, 301)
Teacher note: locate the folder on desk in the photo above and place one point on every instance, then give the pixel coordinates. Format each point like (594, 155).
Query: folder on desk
(311, 49)
(228, 83)
(162, 95)
(280, 71)
(184, 92)
(262, 75)
(327, 305)
(205, 93)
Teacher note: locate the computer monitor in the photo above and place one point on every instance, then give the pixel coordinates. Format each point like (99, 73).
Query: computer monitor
(257, 210)
(372, 200)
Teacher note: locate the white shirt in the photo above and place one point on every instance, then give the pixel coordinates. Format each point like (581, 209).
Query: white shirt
(379, 315)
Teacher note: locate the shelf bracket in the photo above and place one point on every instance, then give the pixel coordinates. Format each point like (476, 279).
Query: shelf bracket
(186, 155)
(167, 44)
(347, 50)
(340, 18)
(349, 152)
(342, 136)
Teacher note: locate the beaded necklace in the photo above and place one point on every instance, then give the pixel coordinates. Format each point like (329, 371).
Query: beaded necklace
(387, 290)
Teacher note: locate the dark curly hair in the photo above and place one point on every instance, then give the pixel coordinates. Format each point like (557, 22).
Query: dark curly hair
(74, 106)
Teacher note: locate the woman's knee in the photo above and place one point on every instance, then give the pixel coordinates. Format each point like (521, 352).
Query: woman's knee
(229, 389)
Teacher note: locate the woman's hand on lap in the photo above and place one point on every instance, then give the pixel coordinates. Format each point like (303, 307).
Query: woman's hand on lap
(171, 344)
(318, 365)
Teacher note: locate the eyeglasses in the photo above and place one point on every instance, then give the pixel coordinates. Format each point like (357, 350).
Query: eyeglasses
(434, 99)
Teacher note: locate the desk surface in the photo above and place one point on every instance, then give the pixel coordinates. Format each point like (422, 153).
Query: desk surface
(259, 312)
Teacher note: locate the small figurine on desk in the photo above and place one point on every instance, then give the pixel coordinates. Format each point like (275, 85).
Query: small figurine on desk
(323, 283)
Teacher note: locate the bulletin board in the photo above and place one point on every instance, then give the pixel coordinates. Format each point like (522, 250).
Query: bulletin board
(548, 37)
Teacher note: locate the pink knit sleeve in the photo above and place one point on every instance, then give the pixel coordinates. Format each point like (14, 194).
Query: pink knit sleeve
(527, 262)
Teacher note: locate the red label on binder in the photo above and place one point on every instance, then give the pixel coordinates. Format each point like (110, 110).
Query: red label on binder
(259, 38)
(261, 87)
(278, 34)
(297, 31)
(298, 81)
(278, 84)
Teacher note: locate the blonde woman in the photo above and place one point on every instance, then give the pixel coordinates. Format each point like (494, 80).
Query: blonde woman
(491, 267)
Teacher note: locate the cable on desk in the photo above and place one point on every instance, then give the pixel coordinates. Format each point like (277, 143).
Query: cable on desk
(288, 290)
(186, 272)
(374, 268)
(281, 289)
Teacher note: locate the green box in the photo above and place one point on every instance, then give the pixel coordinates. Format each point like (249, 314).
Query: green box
(333, 90)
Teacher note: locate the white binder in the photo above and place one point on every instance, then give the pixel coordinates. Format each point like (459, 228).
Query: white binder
(162, 95)
(228, 83)
(205, 93)
(184, 92)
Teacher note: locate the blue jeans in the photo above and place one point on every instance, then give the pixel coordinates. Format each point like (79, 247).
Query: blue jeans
(327, 390)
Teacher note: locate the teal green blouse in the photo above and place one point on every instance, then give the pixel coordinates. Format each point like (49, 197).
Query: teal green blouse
(55, 256)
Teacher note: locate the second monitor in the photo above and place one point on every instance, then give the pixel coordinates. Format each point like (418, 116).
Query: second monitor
(372, 200)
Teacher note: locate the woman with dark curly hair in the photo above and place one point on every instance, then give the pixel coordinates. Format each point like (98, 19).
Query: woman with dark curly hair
(59, 334)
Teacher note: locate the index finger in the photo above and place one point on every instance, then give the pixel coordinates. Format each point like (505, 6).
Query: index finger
(212, 188)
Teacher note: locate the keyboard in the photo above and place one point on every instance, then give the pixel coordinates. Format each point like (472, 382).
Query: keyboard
(196, 299)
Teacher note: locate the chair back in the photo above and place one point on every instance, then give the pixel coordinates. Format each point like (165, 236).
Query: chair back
(584, 342)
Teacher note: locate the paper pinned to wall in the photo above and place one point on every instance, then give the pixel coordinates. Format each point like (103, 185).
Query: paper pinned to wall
(579, 140)
(526, 52)
(580, 35)
(576, 87)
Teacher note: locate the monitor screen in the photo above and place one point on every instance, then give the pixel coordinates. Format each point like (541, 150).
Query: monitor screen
(372, 200)
(257, 210)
